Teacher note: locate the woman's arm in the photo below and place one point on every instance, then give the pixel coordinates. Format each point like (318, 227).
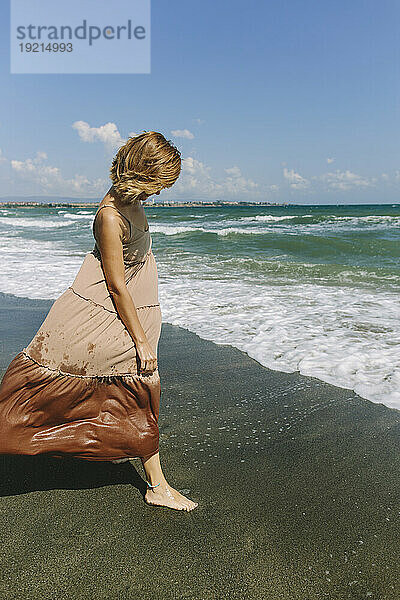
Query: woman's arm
(109, 238)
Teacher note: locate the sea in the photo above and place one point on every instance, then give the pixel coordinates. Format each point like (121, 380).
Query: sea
(313, 289)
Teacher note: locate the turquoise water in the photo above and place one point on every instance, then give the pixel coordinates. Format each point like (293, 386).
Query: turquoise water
(307, 288)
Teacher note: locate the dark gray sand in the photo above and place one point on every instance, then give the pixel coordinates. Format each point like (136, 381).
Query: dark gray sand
(297, 482)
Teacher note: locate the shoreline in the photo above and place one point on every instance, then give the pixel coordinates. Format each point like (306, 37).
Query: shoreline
(23, 302)
(297, 483)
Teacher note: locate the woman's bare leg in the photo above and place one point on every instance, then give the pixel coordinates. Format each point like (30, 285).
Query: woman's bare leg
(163, 494)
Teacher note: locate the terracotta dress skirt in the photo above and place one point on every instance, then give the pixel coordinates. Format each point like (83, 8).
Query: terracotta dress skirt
(76, 389)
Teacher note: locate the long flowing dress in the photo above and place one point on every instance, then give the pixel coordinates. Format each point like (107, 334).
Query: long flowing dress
(76, 389)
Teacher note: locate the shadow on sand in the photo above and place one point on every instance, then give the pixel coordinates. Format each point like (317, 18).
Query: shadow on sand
(24, 474)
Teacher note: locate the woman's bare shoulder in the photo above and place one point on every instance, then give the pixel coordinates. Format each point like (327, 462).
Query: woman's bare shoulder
(109, 223)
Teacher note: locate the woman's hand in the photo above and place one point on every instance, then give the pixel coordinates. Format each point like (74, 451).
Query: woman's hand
(148, 359)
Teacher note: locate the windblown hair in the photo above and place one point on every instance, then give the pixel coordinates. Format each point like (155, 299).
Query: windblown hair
(146, 163)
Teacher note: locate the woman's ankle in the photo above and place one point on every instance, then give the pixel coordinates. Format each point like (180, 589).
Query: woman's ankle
(156, 480)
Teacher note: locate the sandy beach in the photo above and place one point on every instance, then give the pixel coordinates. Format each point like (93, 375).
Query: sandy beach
(297, 483)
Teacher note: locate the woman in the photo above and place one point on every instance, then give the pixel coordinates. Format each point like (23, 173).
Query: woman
(87, 385)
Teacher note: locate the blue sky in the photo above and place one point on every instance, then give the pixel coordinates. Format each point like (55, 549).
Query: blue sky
(285, 101)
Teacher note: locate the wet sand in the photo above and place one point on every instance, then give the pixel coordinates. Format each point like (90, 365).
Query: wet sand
(297, 482)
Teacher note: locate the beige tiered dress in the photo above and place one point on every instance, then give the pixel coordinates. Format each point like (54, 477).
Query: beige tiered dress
(75, 388)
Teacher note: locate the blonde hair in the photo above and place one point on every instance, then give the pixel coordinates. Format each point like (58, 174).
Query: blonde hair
(146, 163)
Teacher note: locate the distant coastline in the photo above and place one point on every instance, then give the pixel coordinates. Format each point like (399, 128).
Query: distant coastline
(173, 203)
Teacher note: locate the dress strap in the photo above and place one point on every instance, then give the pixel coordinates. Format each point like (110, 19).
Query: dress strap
(97, 212)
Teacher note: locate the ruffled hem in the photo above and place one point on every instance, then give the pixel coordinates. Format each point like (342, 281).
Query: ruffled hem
(42, 411)
(150, 377)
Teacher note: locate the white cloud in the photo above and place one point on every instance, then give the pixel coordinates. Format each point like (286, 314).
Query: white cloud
(333, 180)
(345, 180)
(196, 181)
(49, 179)
(195, 177)
(182, 133)
(34, 168)
(108, 134)
(236, 184)
(330, 160)
(233, 172)
(295, 180)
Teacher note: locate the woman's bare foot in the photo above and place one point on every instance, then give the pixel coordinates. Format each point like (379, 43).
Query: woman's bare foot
(165, 495)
